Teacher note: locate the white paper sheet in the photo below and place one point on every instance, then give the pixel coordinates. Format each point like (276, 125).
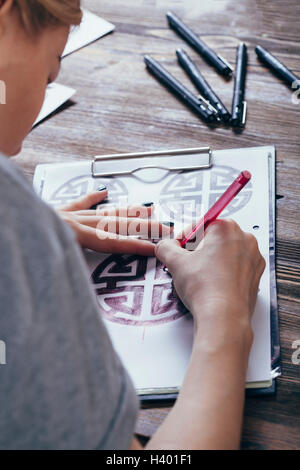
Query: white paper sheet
(56, 95)
(92, 27)
(152, 335)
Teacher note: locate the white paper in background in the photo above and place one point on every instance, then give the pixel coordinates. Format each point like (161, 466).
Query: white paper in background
(92, 27)
(151, 334)
(56, 95)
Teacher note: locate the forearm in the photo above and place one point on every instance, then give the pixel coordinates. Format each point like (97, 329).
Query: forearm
(208, 412)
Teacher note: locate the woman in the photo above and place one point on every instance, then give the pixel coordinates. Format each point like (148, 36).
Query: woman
(63, 386)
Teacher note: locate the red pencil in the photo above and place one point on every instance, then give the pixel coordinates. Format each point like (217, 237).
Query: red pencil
(219, 206)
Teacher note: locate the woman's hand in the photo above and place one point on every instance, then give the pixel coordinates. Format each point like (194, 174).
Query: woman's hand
(219, 280)
(108, 230)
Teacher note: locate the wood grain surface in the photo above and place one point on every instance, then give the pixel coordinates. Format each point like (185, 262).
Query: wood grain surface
(119, 107)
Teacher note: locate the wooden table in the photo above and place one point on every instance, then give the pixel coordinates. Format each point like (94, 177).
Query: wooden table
(120, 107)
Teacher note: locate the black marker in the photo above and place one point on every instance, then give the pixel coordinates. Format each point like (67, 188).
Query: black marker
(278, 67)
(180, 90)
(194, 73)
(186, 33)
(239, 106)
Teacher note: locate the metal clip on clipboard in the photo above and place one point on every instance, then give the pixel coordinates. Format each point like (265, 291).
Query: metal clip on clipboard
(169, 160)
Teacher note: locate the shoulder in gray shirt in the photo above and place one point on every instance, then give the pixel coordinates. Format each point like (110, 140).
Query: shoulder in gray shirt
(63, 386)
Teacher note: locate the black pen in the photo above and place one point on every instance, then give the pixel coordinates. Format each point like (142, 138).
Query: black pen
(186, 33)
(239, 106)
(180, 90)
(194, 73)
(278, 67)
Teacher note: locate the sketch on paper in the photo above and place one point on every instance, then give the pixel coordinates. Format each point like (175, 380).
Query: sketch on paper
(135, 290)
(150, 328)
(82, 185)
(186, 194)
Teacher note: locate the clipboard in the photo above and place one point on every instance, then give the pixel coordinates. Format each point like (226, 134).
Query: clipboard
(56, 182)
(168, 160)
(171, 396)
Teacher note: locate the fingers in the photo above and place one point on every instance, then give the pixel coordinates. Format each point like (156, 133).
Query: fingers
(145, 228)
(254, 254)
(140, 212)
(105, 242)
(86, 202)
(218, 228)
(223, 228)
(228, 232)
(221, 232)
(130, 211)
(185, 232)
(170, 253)
(218, 231)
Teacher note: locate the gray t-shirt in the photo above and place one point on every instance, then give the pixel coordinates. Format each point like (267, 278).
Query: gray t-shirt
(63, 385)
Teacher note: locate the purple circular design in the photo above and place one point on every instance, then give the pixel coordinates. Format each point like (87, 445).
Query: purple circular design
(122, 281)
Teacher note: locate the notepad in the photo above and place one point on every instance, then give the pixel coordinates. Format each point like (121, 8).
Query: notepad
(92, 27)
(150, 328)
(56, 95)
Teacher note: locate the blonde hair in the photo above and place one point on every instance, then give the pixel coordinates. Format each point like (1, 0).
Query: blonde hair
(38, 14)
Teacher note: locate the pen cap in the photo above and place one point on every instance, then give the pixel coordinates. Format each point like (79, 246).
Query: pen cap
(276, 66)
(244, 177)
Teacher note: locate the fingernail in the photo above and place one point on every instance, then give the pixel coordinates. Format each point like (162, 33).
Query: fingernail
(168, 224)
(148, 204)
(102, 188)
